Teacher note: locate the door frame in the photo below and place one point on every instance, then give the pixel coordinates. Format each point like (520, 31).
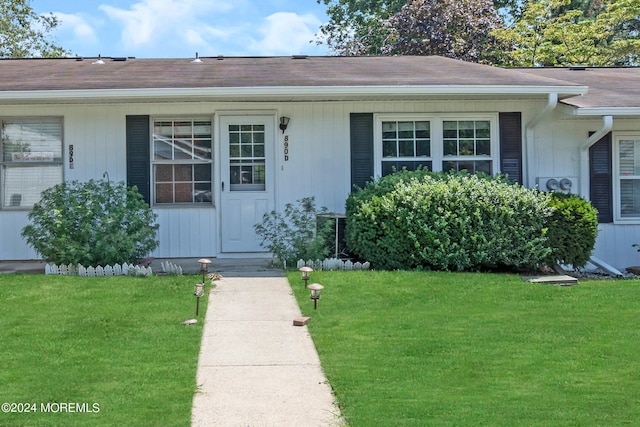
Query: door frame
(218, 176)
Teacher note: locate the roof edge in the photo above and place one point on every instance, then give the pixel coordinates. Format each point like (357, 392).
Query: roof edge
(578, 111)
(293, 91)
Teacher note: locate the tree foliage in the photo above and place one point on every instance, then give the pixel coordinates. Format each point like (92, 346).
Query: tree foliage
(537, 32)
(460, 29)
(24, 33)
(550, 33)
(355, 27)
(358, 27)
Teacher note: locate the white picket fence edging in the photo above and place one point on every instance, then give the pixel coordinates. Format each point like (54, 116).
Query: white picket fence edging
(170, 268)
(116, 270)
(334, 264)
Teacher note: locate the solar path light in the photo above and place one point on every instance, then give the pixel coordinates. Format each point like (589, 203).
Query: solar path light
(198, 292)
(305, 274)
(315, 289)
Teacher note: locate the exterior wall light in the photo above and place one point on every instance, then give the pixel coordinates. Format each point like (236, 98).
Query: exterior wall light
(305, 274)
(315, 289)
(284, 122)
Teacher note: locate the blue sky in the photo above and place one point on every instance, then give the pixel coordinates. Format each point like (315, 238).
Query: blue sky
(179, 28)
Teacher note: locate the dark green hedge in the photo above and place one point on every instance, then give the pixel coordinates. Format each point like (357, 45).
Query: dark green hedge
(573, 228)
(447, 222)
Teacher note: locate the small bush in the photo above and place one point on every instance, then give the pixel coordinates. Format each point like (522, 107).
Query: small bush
(91, 223)
(447, 222)
(573, 228)
(293, 234)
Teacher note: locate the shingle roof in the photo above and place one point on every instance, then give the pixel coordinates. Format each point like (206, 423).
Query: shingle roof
(229, 72)
(608, 87)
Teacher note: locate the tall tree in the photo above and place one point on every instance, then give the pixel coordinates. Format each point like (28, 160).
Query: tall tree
(356, 27)
(24, 33)
(460, 29)
(551, 33)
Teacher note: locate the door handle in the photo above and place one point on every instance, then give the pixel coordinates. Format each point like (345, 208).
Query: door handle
(222, 185)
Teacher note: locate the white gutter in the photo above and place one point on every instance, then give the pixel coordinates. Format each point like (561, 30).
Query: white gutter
(291, 91)
(606, 267)
(613, 111)
(552, 102)
(607, 125)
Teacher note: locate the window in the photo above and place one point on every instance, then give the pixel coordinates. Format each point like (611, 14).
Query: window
(439, 143)
(31, 159)
(627, 160)
(405, 145)
(182, 161)
(466, 145)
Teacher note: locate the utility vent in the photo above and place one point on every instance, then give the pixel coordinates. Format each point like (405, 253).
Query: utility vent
(559, 184)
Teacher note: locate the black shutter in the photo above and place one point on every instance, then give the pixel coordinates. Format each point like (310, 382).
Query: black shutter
(361, 148)
(511, 145)
(601, 178)
(138, 155)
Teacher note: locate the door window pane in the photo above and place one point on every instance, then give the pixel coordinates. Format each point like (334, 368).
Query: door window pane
(247, 159)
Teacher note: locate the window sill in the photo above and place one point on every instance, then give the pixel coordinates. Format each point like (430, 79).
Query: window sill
(183, 206)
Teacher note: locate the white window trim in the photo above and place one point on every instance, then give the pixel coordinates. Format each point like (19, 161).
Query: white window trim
(436, 120)
(617, 202)
(153, 162)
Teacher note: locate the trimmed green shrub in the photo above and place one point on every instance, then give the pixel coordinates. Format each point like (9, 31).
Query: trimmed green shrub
(573, 228)
(447, 222)
(91, 223)
(295, 233)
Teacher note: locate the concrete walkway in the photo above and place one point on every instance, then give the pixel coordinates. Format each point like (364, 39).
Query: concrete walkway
(255, 368)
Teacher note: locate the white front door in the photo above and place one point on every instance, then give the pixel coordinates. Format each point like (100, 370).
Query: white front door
(247, 175)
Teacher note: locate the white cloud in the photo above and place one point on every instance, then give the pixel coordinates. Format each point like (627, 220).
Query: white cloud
(286, 33)
(76, 26)
(154, 21)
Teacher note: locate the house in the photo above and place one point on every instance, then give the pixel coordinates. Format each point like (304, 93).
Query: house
(207, 143)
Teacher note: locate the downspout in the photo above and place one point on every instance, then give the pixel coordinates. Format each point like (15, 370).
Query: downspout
(552, 102)
(607, 125)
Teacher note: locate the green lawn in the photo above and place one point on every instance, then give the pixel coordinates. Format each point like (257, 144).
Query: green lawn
(430, 349)
(113, 344)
